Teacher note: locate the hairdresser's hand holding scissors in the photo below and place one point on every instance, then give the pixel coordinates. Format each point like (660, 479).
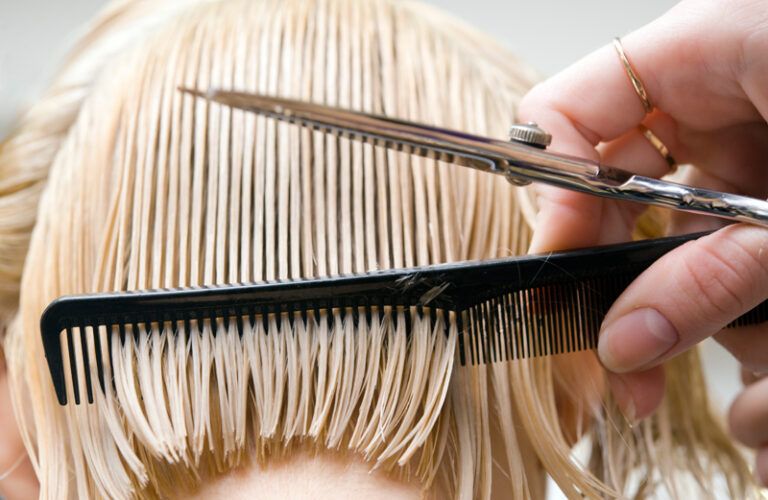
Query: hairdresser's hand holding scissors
(693, 86)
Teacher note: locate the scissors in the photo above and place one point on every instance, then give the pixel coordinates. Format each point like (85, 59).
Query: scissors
(521, 160)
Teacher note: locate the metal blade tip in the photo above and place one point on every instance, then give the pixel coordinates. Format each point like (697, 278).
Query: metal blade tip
(209, 94)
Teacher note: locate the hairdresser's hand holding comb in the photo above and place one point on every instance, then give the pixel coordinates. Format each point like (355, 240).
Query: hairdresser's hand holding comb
(704, 70)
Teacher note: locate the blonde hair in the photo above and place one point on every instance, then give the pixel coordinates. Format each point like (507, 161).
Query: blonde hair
(147, 188)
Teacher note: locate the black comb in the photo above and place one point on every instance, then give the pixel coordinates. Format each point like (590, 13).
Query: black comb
(504, 309)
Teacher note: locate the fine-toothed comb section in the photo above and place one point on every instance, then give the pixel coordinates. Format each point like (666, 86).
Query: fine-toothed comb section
(503, 309)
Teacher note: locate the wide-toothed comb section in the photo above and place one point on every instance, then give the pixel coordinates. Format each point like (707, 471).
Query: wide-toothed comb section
(69, 333)
(85, 360)
(83, 341)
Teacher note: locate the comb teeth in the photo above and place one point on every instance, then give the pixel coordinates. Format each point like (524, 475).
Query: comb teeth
(72, 343)
(518, 324)
(503, 309)
(543, 321)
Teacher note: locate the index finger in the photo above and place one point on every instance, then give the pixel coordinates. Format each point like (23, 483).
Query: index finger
(590, 102)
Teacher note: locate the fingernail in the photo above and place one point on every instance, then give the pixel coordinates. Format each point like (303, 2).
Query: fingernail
(623, 398)
(635, 340)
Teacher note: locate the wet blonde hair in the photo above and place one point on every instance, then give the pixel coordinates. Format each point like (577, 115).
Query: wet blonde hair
(125, 183)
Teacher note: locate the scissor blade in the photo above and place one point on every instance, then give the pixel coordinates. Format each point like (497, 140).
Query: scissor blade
(430, 142)
(517, 161)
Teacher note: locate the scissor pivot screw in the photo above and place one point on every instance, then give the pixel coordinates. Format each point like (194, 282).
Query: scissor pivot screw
(530, 134)
(517, 181)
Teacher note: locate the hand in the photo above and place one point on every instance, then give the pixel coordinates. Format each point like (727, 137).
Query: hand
(705, 69)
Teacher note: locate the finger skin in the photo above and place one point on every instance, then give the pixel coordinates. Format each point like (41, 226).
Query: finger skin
(761, 465)
(735, 156)
(749, 345)
(633, 151)
(697, 289)
(638, 394)
(748, 416)
(749, 377)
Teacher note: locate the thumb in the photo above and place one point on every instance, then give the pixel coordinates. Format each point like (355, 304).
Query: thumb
(688, 295)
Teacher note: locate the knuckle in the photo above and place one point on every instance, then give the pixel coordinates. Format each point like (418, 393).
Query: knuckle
(728, 273)
(715, 285)
(535, 98)
(747, 253)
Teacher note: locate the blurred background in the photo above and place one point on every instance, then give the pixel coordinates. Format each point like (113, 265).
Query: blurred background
(549, 34)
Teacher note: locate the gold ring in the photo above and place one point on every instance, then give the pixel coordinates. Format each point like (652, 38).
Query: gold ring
(660, 146)
(637, 84)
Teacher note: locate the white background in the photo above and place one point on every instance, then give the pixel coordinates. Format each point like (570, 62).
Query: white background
(548, 34)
